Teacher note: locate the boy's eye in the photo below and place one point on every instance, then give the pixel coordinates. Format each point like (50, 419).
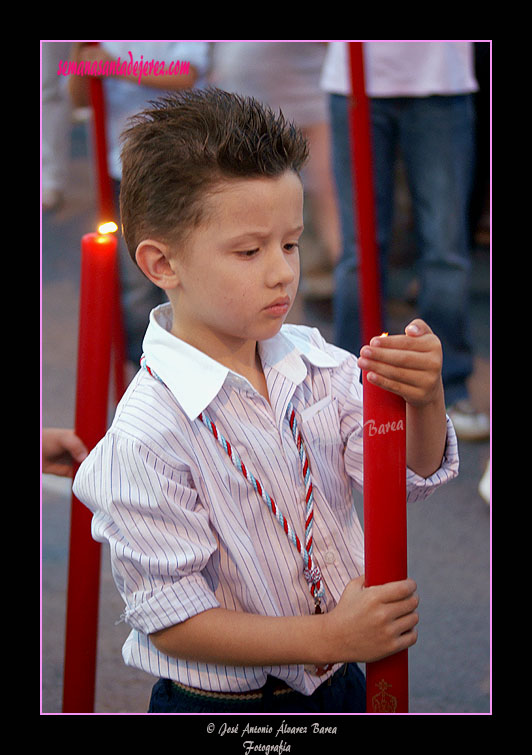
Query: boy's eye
(252, 252)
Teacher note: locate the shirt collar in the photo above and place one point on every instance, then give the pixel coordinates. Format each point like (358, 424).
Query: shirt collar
(195, 379)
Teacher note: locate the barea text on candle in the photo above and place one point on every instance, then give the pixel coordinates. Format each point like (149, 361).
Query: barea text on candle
(384, 428)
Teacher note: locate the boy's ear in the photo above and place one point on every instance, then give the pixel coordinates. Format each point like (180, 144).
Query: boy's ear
(153, 258)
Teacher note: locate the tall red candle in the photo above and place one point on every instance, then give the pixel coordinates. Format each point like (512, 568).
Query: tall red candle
(97, 302)
(105, 190)
(107, 212)
(385, 529)
(363, 189)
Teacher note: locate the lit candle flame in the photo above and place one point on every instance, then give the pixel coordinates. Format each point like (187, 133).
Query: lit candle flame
(382, 335)
(107, 227)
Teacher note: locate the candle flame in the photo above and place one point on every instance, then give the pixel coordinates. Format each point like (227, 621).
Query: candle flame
(382, 335)
(107, 227)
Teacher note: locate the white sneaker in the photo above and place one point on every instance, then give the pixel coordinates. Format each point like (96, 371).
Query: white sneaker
(468, 423)
(484, 486)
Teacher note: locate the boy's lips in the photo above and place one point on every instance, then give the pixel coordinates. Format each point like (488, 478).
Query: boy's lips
(279, 307)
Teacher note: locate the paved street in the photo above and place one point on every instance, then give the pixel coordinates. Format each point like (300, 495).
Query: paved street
(449, 535)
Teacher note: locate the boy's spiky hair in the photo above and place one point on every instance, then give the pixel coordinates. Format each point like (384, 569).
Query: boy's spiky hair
(185, 146)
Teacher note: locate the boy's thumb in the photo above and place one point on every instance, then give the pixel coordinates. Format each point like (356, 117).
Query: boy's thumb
(417, 328)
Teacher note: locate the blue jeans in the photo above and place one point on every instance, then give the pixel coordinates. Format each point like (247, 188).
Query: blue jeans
(344, 692)
(435, 136)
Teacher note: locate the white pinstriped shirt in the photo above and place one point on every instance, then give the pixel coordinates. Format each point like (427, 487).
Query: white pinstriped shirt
(187, 532)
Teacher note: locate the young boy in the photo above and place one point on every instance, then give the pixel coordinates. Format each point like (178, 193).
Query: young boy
(224, 486)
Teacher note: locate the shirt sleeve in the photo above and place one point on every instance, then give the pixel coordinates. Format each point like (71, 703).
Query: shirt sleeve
(158, 532)
(418, 487)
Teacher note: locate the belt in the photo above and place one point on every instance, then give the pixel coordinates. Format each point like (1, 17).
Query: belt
(279, 688)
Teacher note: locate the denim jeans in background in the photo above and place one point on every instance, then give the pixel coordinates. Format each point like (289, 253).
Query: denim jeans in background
(435, 136)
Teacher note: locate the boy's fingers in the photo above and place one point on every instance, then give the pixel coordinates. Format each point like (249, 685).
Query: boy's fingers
(412, 339)
(398, 590)
(417, 327)
(374, 356)
(412, 354)
(421, 343)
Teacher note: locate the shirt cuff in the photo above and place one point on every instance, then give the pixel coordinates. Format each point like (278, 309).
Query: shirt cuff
(419, 487)
(171, 604)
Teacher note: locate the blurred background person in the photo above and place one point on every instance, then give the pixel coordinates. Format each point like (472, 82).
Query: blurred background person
(56, 124)
(421, 107)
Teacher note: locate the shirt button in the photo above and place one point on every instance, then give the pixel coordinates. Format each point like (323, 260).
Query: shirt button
(330, 557)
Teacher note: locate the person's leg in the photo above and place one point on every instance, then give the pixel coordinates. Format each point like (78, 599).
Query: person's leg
(56, 125)
(384, 136)
(437, 145)
(320, 190)
(347, 300)
(347, 332)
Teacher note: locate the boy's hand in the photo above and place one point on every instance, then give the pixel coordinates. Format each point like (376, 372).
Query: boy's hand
(370, 623)
(409, 365)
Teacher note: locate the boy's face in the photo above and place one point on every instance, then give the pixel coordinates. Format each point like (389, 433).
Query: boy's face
(239, 271)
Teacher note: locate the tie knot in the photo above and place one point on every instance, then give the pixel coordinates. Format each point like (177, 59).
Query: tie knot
(312, 575)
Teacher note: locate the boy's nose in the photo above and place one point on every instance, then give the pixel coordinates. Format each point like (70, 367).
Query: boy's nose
(283, 269)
